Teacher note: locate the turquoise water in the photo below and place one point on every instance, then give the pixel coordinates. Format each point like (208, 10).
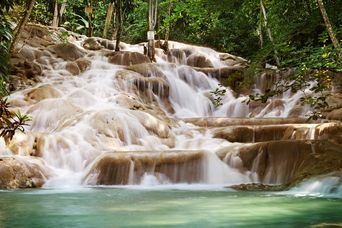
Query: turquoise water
(117, 207)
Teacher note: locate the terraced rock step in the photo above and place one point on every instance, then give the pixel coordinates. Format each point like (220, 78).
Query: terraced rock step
(263, 133)
(285, 162)
(225, 122)
(122, 168)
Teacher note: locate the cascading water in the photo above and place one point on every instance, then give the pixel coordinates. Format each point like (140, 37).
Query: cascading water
(112, 108)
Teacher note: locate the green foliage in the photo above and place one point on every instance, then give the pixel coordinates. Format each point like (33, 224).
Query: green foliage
(42, 12)
(226, 25)
(76, 23)
(74, 18)
(241, 81)
(5, 40)
(63, 36)
(135, 23)
(318, 81)
(217, 95)
(234, 26)
(10, 121)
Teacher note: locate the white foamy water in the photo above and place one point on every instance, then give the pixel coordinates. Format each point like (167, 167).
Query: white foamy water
(323, 186)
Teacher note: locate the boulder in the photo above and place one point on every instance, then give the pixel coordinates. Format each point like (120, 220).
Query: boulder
(176, 56)
(335, 114)
(68, 51)
(232, 60)
(77, 67)
(21, 172)
(83, 64)
(334, 110)
(145, 85)
(255, 187)
(42, 92)
(127, 58)
(337, 83)
(26, 69)
(155, 85)
(145, 90)
(27, 144)
(37, 36)
(72, 68)
(198, 60)
(129, 126)
(91, 44)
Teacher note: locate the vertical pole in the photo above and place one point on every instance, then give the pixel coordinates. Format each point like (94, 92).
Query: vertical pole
(152, 19)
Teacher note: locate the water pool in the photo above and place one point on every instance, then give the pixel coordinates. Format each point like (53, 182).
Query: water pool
(153, 207)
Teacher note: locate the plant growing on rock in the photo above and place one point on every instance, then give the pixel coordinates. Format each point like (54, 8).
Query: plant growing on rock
(217, 95)
(11, 121)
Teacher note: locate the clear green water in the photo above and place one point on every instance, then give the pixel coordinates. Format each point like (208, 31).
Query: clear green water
(110, 207)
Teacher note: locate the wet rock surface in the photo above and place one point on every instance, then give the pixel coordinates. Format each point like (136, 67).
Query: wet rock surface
(200, 61)
(127, 58)
(288, 162)
(16, 172)
(68, 51)
(129, 168)
(262, 133)
(258, 187)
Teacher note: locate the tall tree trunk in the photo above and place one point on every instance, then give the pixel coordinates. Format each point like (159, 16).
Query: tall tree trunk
(119, 24)
(330, 28)
(108, 18)
(21, 25)
(158, 25)
(259, 30)
(114, 29)
(55, 15)
(61, 12)
(269, 33)
(89, 12)
(152, 19)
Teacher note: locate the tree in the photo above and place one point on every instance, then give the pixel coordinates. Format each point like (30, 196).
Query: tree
(5, 41)
(91, 17)
(108, 19)
(21, 24)
(152, 20)
(118, 20)
(329, 28)
(269, 33)
(10, 121)
(58, 13)
(55, 15)
(168, 28)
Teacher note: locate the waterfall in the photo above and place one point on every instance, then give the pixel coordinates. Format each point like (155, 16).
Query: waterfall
(108, 108)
